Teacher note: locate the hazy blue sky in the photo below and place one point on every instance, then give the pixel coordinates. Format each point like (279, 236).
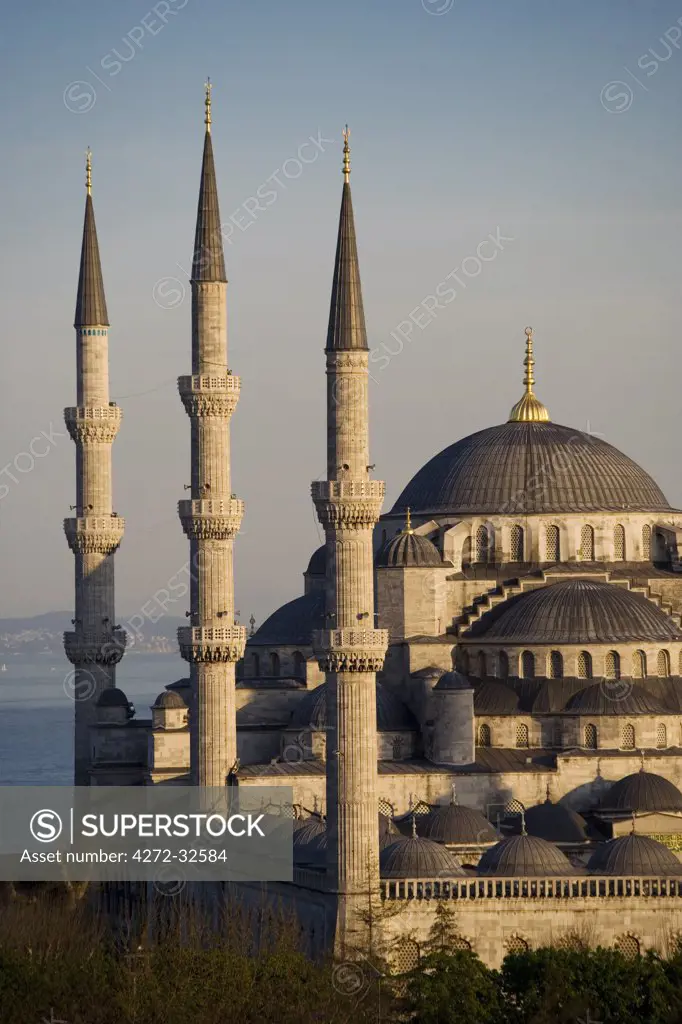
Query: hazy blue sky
(467, 118)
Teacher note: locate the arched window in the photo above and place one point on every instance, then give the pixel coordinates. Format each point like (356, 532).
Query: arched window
(552, 544)
(557, 735)
(516, 544)
(663, 664)
(466, 552)
(639, 665)
(627, 738)
(397, 748)
(463, 659)
(628, 945)
(516, 945)
(457, 942)
(591, 736)
(521, 735)
(584, 665)
(612, 665)
(255, 665)
(646, 543)
(528, 665)
(482, 544)
(480, 665)
(484, 736)
(503, 664)
(406, 956)
(587, 544)
(299, 665)
(556, 665)
(661, 736)
(274, 664)
(619, 543)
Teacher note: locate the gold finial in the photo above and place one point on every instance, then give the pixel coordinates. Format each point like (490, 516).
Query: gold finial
(88, 171)
(346, 154)
(408, 520)
(207, 104)
(523, 823)
(529, 409)
(414, 826)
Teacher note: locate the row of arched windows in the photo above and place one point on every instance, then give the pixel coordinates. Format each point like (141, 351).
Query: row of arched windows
(272, 666)
(484, 665)
(484, 546)
(590, 736)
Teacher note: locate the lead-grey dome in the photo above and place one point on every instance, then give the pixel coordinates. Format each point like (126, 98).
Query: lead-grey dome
(495, 471)
(169, 699)
(633, 855)
(112, 698)
(576, 611)
(293, 623)
(556, 823)
(317, 566)
(615, 697)
(413, 857)
(495, 699)
(453, 681)
(524, 855)
(456, 824)
(408, 550)
(392, 714)
(642, 791)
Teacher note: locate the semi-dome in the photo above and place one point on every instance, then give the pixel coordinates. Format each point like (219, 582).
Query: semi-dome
(414, 857)
(293, 623)
(495, 699)
(455, 824)
(524, 855)
(495, 471)
(169, 699)
(576, 611)
(640, 792)
(408, 550)
(612, 697)
(556, 823)
(453, 681)
(112, 698)
(633, 855)
(392, 714)
(317, 566)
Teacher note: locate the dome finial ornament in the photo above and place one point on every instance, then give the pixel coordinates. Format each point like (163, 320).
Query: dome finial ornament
(408, 520)
(88, 171)
(453, 795)
(207, 105)
(523, 823)
(346, 154)
(414, 825)
(529, 409)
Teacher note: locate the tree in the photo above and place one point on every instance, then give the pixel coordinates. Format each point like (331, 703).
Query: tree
(453, 988)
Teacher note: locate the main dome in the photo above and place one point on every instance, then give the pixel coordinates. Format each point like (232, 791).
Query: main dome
(497, 470)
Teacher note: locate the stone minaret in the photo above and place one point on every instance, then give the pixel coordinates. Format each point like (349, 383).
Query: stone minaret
(351, 650)
(95, 645)
(212, 643)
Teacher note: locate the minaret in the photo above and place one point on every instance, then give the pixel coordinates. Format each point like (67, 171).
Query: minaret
(95, 645)
(212, 643)
(351, 650)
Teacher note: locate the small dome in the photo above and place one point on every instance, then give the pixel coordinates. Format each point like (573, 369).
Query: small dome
(595, 700)
(169, 699)
(642, 791)
(392, 714)
(292, 625)
(408, 550)
(454, 824)
(387, 830)
(524, 855)
(310, 838)
(495, 699)
(306, 829)
(112, 698)
(575, 611)
(556, 823)
(414, 857)
(317, 566)
(453, 681)
(633, 855)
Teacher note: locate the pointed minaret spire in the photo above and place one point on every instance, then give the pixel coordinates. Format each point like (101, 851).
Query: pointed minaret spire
(91, 305)
(346, 316)
(208, 260)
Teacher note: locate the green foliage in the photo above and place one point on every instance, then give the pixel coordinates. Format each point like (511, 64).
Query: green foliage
(453, 988)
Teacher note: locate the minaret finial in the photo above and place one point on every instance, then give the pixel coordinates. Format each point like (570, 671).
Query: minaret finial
(408, 520)
(346, 154)
(207, 105)
(529, 409)
(88, 171)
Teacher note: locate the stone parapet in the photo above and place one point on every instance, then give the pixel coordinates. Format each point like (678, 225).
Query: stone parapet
(350, 650)
(556, 888)
(348, 504)
(212, 643)
(211, 518)
(92, 534)
(93, 424)
(203, 395)
(95, 648)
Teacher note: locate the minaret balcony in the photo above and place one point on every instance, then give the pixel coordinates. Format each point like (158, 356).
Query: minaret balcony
(350, 650)
(212, 643)
(94, 534)
(90, 648)
(348, 504)
(205, 395)
(211, 518)
(94, 424)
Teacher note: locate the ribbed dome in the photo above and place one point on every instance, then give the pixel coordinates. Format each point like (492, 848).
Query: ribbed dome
(408, 550)
(633, 855)
(413, 857)
(454, 824)
(596, 700)
(311, 838)
(642, 791)
(293, 623)
(392, 714)
(495, 699)
(453, 681)
(524, 856)
(556, 823)
(387, 829)
(576, 611)
(169, 699)
(112, 698)
(496, 470)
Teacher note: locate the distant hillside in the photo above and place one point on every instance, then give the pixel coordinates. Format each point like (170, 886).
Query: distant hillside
(43, 633)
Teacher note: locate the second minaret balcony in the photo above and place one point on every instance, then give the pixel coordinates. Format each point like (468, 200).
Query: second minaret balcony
(211, 518)
(205, 395)
(348, 504)
(94, 424)
(94, 534)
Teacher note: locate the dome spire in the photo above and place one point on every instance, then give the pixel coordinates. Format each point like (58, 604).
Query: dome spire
(346, 154)
(408, 520)
(207, 105)
(529, 409)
